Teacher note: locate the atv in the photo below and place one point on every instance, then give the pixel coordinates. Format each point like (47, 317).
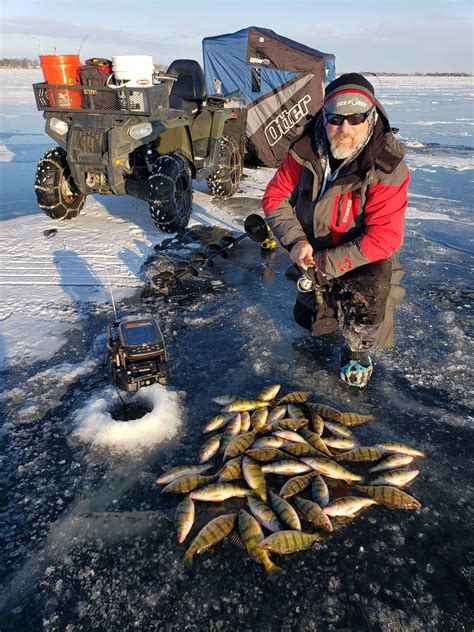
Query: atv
(145, 142)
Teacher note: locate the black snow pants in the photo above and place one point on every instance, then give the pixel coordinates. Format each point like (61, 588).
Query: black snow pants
(361, 302)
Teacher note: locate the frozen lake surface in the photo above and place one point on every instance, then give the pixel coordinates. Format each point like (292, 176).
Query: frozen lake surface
(87, 539)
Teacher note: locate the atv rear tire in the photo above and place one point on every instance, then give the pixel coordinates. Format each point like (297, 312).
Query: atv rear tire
(172, 190)
(225, 181)
(55, 189)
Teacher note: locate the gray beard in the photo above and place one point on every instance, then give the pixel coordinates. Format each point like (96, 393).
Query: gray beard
(342, 153)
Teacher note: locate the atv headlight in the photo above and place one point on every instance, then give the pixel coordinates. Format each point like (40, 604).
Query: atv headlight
(58, 126)
(141, 130)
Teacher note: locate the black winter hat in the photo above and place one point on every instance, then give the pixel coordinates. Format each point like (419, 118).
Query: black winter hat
(349, 94)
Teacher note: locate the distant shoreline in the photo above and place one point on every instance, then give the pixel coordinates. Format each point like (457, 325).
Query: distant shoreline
(367, 73)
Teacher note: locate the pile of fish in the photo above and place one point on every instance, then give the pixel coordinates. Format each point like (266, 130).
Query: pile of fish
(309, 443)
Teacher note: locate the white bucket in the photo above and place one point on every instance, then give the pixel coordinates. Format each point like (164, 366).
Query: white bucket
(134, 71)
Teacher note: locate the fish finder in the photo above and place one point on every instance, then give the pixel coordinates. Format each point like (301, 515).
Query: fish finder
(138, 354)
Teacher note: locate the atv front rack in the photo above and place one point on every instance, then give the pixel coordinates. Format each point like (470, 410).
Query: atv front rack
(104, 100)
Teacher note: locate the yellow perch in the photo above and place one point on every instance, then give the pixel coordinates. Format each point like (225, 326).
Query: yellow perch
(290, 435)
(354, 419)
(285, 542)
(287, 467)
(217, 422)
(313, 513)
(317, 423)
(241, 405)
(338, 429)
(269, 393)
(299, 449)
(181, 470)
(284, 424)
(296, 412)
(285, 511)
(259, 418)
(361, 454)
(348, 506)
(264, 514)
(296, 485)
(390, 496)
(269, 442)
(340, 443)
(252, 534)
(326, 412)
(277, 413)
(392, 462)
(265, 455)
(187, 483)
(315, 441)
(184, 518)
(319, 491)
(239, 444)
(209, 448)
(400, 448)
(330, 468)
(253, 473)
(214, 531)
(296, 397)
(399, 478)
(224, 400)
(218, 492)
(232, 430)
(232, 470)
(245, 421)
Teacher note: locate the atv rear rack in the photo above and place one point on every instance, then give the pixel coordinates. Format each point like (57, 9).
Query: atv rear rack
(104, 100)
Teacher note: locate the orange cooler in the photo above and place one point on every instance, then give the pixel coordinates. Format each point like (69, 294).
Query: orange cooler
(62, 70)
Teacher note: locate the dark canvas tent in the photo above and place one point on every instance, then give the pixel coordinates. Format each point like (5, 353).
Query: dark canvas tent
(280, 80)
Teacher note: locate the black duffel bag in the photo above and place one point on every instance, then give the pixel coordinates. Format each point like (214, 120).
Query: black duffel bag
(97, 73)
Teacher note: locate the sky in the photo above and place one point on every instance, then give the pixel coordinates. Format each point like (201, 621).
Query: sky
(365, 35)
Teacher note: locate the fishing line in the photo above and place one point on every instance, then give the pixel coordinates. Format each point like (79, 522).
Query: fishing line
(82, 43)
(38, 44)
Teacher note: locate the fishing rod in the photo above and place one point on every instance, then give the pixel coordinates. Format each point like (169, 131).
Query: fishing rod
(255, 228)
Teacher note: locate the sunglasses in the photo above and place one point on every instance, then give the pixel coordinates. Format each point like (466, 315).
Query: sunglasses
(352, 119)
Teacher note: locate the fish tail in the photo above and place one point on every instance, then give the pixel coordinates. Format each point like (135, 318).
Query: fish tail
(274, 571)
(188, 559)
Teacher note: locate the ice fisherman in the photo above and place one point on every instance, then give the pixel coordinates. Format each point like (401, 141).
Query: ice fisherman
(337, 203)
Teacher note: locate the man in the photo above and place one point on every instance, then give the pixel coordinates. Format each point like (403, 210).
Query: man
(337, 204)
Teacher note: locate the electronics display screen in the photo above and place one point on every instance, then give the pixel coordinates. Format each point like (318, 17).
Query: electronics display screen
(136, 333)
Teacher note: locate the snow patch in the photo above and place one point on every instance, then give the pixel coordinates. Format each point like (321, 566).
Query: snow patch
(95, 424)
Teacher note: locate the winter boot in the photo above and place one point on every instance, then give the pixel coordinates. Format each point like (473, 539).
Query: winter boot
(356, 367)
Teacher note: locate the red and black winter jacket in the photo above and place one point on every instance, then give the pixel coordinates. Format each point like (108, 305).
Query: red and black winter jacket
(360, 217)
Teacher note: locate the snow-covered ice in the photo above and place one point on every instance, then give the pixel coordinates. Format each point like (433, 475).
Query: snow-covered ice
(87, 539)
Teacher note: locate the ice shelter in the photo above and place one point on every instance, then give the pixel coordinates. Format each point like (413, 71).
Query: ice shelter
(281, 81)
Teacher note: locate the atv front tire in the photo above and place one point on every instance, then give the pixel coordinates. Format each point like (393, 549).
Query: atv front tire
(55, 189)
(225, 181)
(171, 187)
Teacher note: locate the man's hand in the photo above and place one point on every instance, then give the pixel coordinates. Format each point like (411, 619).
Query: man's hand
(302, 254)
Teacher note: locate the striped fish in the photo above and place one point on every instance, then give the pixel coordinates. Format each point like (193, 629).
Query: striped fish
(353, 419)
(392, 462)
(181, 470)
(319, 491)
(400, 448)
(269, 393)
(315, 441)
(389, 496)
(209, 448)
(187, 483)
(245, 421)
(399, 478)
(184, 518)
(232, 470)
(239, 444)
(296, 397)
(285, 511)
(361, 454)
(296, 485)
(252, 534)
(264, 514)
(313, 513)
(285, 542)
(348, 506)
(214, 531)
(330, 468)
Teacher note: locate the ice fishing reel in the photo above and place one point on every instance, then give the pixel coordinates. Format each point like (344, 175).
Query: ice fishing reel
(255, 228)
(138, 355)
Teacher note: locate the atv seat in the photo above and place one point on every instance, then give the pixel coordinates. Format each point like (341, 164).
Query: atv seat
(188, 91)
